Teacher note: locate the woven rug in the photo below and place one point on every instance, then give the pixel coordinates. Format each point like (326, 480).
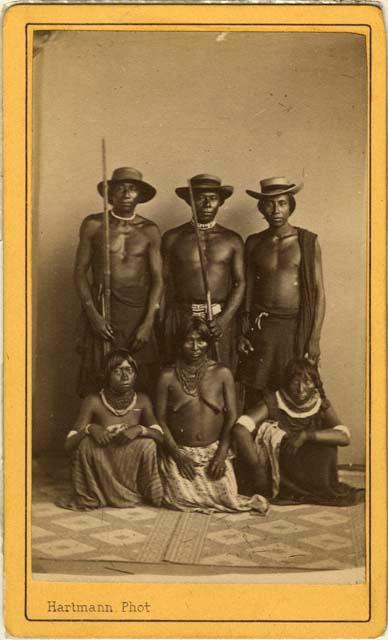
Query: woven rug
(300, 537)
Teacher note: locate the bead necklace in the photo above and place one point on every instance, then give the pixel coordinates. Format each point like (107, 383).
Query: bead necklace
(132, 217)
(205, 225)
(190, 377)
(120, 409)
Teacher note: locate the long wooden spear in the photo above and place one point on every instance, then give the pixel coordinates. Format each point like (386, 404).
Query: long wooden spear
(203, 262)
(106, 252)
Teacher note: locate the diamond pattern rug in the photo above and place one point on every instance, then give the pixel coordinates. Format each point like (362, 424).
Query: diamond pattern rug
(298, 536)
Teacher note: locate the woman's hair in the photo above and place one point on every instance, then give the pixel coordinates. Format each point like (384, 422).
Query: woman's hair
(193, 324)
(301, 365)
(114, 359)
(291, 199)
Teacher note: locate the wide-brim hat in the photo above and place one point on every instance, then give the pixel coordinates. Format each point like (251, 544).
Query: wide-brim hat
(205, 182)
(275, 187)
(128, 174)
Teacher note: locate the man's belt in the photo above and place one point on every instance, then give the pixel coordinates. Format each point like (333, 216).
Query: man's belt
(259, 315)
(199, 310)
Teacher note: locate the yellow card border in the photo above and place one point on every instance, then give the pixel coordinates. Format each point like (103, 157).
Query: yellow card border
(182, 610)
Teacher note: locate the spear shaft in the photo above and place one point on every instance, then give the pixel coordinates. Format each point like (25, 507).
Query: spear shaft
(106, 251)
(203, 262)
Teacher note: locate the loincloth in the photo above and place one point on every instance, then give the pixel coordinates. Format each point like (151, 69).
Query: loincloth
(272, 335)
(125, 321)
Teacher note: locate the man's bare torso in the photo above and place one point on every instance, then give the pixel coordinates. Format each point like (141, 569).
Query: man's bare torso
(185, 266)
(129, 249)
(275, 267)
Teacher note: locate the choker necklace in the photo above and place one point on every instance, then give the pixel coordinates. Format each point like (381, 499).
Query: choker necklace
(132, 217)
(190, 376)
(119, 409)
(205, 225)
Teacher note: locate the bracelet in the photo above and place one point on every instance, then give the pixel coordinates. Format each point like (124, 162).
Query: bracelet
(143, 431)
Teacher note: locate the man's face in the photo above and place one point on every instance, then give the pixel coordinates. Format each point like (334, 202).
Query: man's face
(124, 196)
(194, 347)
(207, 204)
(276, 210)
(122, 378)
(301, 388)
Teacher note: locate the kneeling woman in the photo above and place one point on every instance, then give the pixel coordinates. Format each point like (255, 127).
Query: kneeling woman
(114, 443)
(196, 408)
(288, 443)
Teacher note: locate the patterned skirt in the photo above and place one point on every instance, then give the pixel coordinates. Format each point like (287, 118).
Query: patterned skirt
(115, 475)
(202, 493)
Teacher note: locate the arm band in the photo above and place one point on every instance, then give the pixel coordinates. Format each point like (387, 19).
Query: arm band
(84, 430)
(341, 427)
(247, 422)
(157, 427)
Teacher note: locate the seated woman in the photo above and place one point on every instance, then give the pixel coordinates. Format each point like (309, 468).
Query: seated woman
(288, 443)
(196, 408)
(114, 443)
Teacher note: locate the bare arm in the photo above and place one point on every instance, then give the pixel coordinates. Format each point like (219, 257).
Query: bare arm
(148, 419)
(333, 434)
(161, 413)
(249, 273)
(185, 465)
(155, 261)
(217, 465)
(156, 288)
(320, 306)
(85, 419)
(82, 266)
(244, 344)
(238, 279)
(167, 279)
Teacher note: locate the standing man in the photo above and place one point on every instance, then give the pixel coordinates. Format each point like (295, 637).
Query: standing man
(136, 281)
(285, 298)
(185, 295)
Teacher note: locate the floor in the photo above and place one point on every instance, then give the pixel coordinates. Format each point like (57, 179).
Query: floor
(225, 547)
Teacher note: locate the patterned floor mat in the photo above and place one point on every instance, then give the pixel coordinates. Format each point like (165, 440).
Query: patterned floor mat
(300, 537)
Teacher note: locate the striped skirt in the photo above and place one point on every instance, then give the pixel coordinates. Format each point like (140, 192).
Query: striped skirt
(202, 493)
(115, 475)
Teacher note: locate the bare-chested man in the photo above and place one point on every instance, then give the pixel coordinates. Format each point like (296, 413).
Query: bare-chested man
(285, 299)
(136, 281)
(223, 249)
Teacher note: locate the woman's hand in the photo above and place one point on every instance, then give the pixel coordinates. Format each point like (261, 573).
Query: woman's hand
(186, 466)
(128, 434)
(296, 442)
(217, 468)
(100, 434)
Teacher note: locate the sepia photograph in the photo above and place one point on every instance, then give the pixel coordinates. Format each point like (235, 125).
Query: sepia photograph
(199, 375)
(200, 304)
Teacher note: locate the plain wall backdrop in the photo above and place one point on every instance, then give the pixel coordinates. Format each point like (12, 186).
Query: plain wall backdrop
(239, 105)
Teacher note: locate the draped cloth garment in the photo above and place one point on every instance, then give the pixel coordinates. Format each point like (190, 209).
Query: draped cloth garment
(114, 475)
(202, 493)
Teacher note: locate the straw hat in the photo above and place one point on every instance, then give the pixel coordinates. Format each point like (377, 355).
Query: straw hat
(275, 187)
(128, 174)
